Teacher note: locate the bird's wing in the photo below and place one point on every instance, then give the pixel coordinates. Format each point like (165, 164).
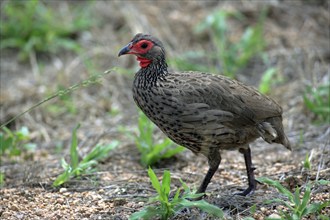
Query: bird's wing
(228, 99)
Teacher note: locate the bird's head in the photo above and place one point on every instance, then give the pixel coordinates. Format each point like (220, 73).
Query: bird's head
(146, 47)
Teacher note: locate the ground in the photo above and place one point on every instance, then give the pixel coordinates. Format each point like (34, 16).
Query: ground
(297, 37)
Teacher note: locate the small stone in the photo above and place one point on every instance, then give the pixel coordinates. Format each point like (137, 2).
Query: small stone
(63, 190)
(263, 209)
(60, 201)
(274, 216)
(14, 207)
(6, 215)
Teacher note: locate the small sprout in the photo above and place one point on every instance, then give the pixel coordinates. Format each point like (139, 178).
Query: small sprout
(267, 80)
(299, 203)
(77, 168)
(14, 143)
(152, 152)
(307, 161)
(168, 207)
(317, 100)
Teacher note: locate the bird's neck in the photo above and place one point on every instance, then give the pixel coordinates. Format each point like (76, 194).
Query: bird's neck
(152, 71)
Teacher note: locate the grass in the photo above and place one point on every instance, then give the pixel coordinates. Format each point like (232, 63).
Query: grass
(307, 162)
(78, 167)
(168, 207)
(2, 178)
(299, 203)
(31, 27)
(13, 143)
(317, 100)
(268, 79)
(95, 78)
(229, 56)
(153, 151)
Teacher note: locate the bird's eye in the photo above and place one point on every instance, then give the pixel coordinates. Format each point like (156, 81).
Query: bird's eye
(144, 45)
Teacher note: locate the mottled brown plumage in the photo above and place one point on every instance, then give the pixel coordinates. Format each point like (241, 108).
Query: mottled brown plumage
(202, 112)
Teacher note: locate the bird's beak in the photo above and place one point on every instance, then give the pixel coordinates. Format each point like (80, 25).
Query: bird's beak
(125, 50)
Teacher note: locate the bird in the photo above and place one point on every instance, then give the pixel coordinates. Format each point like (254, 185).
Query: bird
(205, 113)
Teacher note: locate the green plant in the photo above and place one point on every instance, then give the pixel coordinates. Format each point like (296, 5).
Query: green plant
(232, 55)
(298, 207)
(169, 207)
(32, 26)
(77, 168)
(95, 78)
(267, 80)
(152, 152)
(307, 162)
(2, 178)
(317, 100)
(12, 143)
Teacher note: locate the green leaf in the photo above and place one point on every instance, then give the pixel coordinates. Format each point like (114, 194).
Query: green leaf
(307, 163)
(171, 152)
(306, 197)
(23, 133)
(65, 165)
(280, 201)
(154, 181)
(5, 143)
(99, 152)
(62, 178)
(253, 209)
(296, 197)
(73, 149)
(2, 178)
(267, 80)
(166, 184)
(278, 186)
(323, 182)
(316, 207)
(85, 166)
(149, 212)
(177, 194)
(204, 206)
(185, 187)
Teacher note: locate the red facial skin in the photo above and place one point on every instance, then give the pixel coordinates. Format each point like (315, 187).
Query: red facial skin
(139, 48)
(144, 62)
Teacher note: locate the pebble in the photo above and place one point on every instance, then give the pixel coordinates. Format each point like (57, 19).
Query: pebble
(63, 190)
(14, 207)
(60, 200)
(274, 216)
(6, 215)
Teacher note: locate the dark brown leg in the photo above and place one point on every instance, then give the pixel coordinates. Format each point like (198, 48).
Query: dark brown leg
(250, 171)
(214, 160)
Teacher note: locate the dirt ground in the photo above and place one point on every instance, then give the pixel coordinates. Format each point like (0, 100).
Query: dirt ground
(297, 36)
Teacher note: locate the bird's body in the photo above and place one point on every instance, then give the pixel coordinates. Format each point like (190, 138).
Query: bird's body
(199, 110)
(202, 112)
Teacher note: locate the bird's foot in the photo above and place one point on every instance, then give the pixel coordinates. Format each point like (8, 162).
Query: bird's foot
(246, 192)
(250, 190)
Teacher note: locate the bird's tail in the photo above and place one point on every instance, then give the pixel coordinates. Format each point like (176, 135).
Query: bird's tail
(271, 130)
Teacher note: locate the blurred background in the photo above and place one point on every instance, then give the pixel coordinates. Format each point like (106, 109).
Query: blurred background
(280, 47)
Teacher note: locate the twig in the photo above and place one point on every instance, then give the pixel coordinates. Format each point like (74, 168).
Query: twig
(91, 80)
(320, 163)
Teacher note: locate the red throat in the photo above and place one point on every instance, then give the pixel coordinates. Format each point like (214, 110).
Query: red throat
(144, 62)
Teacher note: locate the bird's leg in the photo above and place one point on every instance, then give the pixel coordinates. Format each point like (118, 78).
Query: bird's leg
(250, 171)
(214, 160)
